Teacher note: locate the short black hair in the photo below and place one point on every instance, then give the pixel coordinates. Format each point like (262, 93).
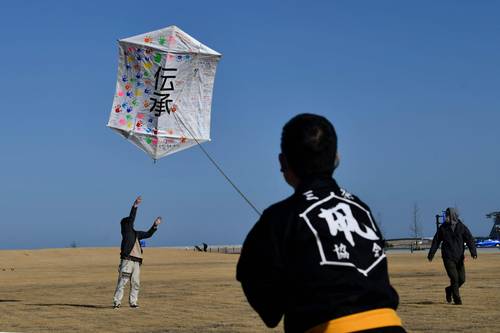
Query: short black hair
(309, 143)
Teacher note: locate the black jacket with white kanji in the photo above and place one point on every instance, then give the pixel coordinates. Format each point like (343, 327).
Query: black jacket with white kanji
(314, 257)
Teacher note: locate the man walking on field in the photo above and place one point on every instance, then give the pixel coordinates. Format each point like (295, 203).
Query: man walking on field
(453, 234)
(131, 256)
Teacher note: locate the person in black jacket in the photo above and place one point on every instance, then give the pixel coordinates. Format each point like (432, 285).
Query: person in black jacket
(317, 257)
(453, 234)
(131, 256)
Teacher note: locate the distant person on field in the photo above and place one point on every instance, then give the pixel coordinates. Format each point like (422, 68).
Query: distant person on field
(453, 234)
(131, 256)
(317, 257)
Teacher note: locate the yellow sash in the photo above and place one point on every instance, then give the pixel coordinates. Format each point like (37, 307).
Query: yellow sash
(359, 321)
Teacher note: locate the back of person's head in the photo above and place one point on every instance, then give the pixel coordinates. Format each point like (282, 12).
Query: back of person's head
(309, 144)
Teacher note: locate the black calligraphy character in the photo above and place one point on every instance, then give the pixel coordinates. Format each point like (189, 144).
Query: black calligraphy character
(160, 104)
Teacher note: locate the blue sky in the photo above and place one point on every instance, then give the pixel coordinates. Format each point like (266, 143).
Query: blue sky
(412, 88)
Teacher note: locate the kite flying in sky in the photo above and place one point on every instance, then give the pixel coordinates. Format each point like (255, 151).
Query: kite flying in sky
(164, 91)
(163, 94)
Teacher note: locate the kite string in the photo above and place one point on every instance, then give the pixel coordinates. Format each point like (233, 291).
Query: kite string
(177, 116)
(218, 167)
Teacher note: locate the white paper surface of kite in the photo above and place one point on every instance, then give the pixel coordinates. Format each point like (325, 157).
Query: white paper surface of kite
(163, 95)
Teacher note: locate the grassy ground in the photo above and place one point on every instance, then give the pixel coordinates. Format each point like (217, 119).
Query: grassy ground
(70, 290)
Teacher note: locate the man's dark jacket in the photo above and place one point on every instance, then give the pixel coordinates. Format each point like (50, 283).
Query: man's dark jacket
(453, 242)
(315, 257)
(129, 235)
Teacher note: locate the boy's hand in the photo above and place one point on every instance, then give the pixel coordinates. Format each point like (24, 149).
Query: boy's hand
(137, 201)
(157, 221)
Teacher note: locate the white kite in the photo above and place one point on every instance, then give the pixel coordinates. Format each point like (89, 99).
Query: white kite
(164, 91)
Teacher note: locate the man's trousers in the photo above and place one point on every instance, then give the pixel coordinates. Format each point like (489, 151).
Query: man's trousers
(456, 272)
(128, 270)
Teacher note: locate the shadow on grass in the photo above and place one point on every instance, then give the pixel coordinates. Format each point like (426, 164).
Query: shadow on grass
(90, 306)
(419, 303)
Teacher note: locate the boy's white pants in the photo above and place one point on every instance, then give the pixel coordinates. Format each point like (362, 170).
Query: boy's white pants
(128, 270)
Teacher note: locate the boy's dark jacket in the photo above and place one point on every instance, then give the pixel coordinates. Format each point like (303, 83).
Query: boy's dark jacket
(129, 235)
(453, 241)
(314, 257)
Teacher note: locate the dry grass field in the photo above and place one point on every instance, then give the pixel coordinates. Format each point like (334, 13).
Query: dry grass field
(70, 290)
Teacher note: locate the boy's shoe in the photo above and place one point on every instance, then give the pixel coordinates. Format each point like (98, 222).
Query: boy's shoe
(457, 301)
(116, 306)
(134, 305)
(447, 290)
